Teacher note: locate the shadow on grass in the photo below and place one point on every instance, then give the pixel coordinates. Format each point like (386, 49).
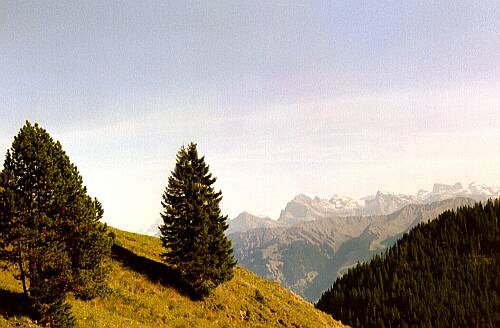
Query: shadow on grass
(13, 304)
(154, 271)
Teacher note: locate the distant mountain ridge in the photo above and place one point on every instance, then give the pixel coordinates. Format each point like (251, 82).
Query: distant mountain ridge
(246, 221)
(308, 256)
(305, 208)
(243, 222)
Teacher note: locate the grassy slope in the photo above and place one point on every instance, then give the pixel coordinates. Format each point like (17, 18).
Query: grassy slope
(137, 301)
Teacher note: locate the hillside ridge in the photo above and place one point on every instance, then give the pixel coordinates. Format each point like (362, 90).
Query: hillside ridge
(144, 292)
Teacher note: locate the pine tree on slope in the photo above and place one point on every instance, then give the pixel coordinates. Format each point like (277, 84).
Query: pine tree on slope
(49, 226)
(193, 229)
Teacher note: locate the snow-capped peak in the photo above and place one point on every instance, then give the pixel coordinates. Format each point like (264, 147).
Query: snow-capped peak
(305, 208)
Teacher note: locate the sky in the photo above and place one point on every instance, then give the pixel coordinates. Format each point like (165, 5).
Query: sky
(315, 97)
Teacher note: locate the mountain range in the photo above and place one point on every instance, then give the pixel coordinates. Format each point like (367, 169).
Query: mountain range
(308, 256)
(304, 208)
(316, 240)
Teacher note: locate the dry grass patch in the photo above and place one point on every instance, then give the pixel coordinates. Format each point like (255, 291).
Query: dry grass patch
(136, 300)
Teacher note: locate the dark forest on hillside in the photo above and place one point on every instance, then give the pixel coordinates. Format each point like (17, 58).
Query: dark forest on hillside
(444, 273)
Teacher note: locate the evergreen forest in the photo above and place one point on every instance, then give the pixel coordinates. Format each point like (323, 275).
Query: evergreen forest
(444, 273)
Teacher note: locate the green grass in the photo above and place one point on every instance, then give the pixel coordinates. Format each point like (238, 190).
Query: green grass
(136, 300)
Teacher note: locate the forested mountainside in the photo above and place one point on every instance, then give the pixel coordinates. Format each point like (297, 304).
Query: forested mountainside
(308, 256)
(444, 273)
(375, 239)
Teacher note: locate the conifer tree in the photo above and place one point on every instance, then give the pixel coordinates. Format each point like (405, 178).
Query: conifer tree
(49, 226)
(193, 229)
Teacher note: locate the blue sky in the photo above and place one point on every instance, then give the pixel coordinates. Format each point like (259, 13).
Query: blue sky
(282, 97)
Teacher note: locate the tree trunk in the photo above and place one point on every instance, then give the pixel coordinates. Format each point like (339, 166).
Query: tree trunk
(23, 275)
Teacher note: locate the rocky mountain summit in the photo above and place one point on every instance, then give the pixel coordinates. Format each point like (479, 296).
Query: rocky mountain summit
(246, 221)
(304, 208)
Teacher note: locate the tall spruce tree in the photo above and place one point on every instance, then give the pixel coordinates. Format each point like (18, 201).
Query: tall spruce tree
(193, 229)
(49, 226)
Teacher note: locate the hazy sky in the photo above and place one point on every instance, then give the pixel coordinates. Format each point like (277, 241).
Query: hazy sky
(282, 97)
